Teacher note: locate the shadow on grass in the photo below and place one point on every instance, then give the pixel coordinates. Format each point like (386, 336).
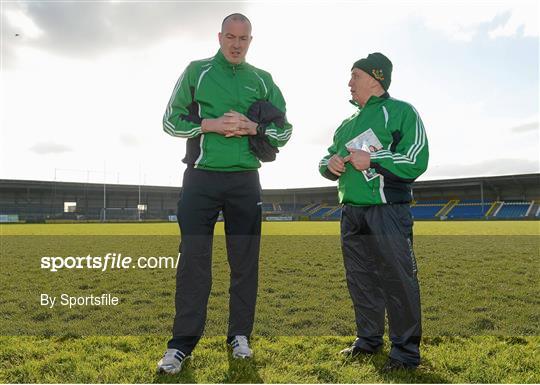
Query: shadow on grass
(242, 371)
(424, 374)
(184, 377)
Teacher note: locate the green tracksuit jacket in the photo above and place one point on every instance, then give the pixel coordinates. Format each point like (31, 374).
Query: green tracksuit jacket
(206, 90)
(402, 158)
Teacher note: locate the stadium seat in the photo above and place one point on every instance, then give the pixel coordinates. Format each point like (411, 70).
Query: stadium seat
(513, 210)
(427, 209)
(321, 212)
(469, 210)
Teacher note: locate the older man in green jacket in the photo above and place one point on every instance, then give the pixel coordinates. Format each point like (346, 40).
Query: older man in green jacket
(376, 154)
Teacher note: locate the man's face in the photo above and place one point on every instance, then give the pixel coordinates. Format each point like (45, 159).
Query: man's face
(234, 40)
(360, 85)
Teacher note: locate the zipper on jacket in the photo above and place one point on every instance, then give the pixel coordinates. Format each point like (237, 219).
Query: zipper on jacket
(237, 102)
(237, 86)
(370, 183)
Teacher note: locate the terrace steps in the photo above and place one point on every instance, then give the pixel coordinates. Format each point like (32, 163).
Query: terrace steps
(495, 207)
(446, 208)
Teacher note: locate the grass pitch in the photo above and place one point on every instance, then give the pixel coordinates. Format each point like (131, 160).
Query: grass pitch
(274, 228)
(479, 283)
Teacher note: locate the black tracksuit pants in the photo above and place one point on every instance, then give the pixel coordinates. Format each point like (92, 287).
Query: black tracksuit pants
(204, 194)
(381, 274)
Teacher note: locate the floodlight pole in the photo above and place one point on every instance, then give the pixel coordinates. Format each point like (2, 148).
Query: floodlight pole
(54, 194)
(104, 193)
(139, 204)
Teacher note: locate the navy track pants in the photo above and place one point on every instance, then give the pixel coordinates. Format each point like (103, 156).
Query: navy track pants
(381, 270)
(204, 194)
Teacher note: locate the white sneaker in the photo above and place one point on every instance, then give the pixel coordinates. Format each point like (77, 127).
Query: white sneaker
(240, 346)
(172, 361)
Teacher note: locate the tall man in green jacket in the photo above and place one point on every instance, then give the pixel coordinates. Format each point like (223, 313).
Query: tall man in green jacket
(376, 154)
(208, 107)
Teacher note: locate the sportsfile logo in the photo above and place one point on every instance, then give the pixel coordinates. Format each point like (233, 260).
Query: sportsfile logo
(109, 261)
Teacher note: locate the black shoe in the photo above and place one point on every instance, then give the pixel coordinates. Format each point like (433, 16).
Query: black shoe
(392, 365)
(355, 351)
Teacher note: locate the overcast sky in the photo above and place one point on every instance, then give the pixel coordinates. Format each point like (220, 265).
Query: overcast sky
(85, 84)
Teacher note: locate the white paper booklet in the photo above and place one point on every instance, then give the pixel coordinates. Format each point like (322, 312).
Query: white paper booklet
(367, 141)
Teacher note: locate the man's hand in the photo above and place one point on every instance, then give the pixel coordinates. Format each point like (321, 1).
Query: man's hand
(231, 124)
(358, 158)
(243, 126)
(219, 126)
(336, 165)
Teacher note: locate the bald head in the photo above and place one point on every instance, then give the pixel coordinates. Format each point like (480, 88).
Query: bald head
(235, 17)
(235, 38)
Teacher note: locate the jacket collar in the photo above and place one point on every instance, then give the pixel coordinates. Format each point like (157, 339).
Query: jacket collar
(220, 59)
(372, 100)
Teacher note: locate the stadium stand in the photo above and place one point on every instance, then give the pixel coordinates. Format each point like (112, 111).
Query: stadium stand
(268, 207)
(310, 207)
(471, 201)
(320, 212)
(513, 210)
(313, 210)
(336, 215)
(432, 202)
(290, 207)
(425, 211)
(504, 198)
(469, 210)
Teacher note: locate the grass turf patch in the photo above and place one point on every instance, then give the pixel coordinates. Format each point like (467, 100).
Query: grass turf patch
(272, 228)
(126, 359)
(473, 285)
(479, 296)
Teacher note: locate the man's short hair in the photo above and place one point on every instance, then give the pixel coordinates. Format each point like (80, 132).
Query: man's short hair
(236, 17)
